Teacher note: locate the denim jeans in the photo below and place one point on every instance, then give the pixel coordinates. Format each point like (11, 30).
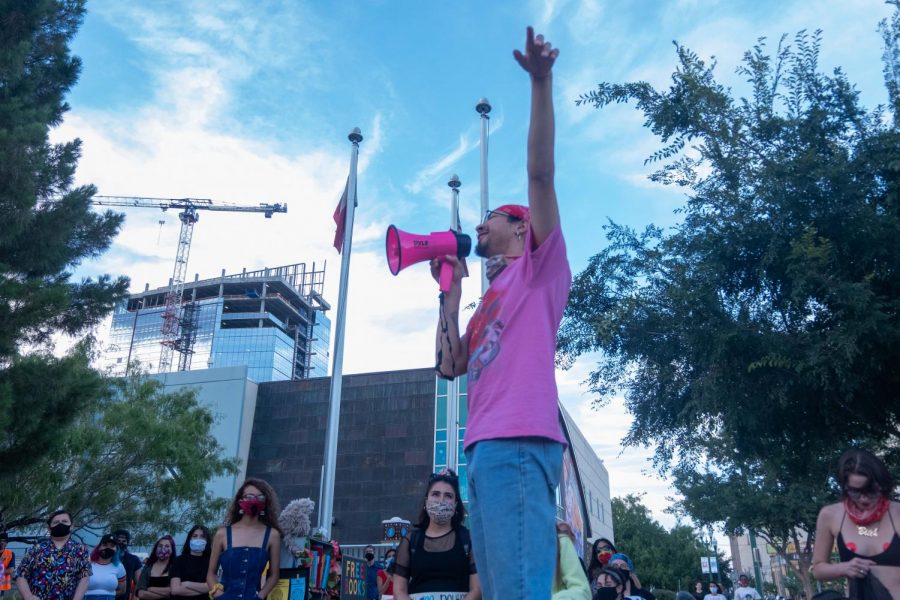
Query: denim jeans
(512, 504)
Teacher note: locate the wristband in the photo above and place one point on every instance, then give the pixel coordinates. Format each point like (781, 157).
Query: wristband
(215, 589)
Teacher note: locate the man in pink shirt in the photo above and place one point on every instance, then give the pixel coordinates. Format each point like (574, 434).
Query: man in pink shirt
(513, 440)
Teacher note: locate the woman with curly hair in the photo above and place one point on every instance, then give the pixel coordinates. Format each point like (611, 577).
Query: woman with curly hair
(250, 539)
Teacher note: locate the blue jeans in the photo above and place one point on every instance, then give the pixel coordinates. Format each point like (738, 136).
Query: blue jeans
(512, 505)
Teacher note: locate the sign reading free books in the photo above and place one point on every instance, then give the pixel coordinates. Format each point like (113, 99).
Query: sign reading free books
(353, 578)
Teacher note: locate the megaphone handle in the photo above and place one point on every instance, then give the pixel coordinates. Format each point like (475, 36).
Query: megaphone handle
(446, 276)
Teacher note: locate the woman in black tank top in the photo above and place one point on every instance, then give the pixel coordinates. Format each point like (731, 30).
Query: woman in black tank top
(863, 525)
(437, 557)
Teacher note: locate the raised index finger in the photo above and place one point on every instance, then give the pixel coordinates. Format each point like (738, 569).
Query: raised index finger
(529, 38)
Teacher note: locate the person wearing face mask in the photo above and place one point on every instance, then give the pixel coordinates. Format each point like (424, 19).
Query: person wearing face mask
(714, 593)
(107, 571)
(131, 562)
(372, 590)
(190, 568)
(633, 589)
(156, 577)
(601, 551)
(250, 540)
(437, 558)
(55, 569)
(610, 584)
(385, 575)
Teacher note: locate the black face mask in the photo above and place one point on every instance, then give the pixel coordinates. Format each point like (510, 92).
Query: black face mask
(606, 593)
(107, 553)
(60, 530)
(370, 556)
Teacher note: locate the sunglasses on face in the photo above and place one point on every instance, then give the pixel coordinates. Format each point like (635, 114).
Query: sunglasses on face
(490, 214)
(870, 491)
(251, 497)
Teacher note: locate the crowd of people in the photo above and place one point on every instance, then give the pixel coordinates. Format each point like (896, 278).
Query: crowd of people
(229, 566)
(241, 560)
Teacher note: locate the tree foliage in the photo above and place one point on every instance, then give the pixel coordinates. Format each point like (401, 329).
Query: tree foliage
(663, 559)
(138, 458)
(48, 229)
(775, 301)
(757, 338)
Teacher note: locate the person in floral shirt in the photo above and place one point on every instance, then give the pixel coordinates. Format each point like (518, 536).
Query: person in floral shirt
(55, 569)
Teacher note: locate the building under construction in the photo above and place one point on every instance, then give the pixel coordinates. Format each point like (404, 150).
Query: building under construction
(272, 320)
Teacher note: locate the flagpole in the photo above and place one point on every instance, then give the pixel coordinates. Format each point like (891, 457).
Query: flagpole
(453, 384)
(483, 108)
(334, 401)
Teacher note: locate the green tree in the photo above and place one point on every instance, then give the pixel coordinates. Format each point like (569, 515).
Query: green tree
(756, 339)
(47, 230)
(663, 559)
(139, 457)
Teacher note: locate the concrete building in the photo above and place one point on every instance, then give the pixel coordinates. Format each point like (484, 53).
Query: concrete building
(271, 320)
(231, 396)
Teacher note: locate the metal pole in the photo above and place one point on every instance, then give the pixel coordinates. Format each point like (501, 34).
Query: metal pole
(137, 313)
(483, 108)
(453, 385)
(334, 402)
(754, 554)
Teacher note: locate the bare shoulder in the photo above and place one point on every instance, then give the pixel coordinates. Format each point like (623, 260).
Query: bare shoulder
(275, 535)
(831, 514)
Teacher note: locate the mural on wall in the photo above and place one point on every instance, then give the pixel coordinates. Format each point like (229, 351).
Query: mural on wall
(571, 497)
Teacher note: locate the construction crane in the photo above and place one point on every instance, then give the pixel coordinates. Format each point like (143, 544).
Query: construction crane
(174, 319)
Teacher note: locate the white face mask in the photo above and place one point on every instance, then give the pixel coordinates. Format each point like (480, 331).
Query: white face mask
(713, 589)
(439, 511)
(198, 545)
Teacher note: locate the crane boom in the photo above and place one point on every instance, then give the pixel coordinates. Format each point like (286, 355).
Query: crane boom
(178, 324)
(185, 203)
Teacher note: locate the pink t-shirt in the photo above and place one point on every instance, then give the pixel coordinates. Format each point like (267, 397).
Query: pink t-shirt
(512, 344)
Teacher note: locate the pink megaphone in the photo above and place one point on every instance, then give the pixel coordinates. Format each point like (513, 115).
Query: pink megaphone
(404, 249)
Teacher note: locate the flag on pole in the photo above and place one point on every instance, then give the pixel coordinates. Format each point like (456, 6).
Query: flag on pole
(340, 217)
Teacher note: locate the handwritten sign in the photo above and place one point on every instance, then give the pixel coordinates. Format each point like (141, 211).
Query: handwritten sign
(353, 578)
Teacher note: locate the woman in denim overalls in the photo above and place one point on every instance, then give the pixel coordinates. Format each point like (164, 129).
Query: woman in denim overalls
(250, 541)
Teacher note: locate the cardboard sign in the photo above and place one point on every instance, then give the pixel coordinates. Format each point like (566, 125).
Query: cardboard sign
(353, 578)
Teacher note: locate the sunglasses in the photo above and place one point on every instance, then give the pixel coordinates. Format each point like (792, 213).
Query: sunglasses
(870, 491)
(443, 474)
(490, 214)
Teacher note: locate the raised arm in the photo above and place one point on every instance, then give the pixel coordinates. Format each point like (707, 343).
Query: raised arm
(537, 60)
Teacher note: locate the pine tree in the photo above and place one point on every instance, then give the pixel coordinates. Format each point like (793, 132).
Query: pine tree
(46, 230)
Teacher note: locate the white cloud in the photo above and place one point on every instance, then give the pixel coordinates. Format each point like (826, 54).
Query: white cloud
(441, 167)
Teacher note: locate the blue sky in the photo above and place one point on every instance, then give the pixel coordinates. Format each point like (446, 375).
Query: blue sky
(251, 102)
